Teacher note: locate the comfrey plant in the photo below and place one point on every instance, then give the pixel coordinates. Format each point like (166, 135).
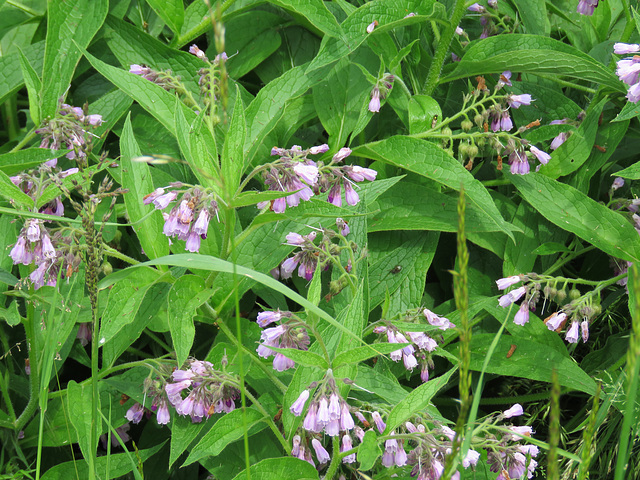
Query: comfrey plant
(576, 310)
(491, 111)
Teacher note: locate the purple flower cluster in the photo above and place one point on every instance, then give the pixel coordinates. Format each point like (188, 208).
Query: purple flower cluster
(628, 69)
(554, 322)
(328, 412)
(69, 128)
(294, 172)
(189, 219)
(207, 391)
(290, 333)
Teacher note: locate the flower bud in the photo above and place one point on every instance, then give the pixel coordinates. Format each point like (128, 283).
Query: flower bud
(472, 151)
(478, 119)
(466, 125)
(107, 269)
(446, 131)
(561, 295)
(574, 294)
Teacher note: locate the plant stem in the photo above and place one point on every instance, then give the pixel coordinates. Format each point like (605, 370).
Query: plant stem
(443, 47)
(227, 331)
(31, 333)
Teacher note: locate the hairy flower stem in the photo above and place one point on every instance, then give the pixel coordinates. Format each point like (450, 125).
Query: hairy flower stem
(34, 377)
(335, 458)
(444, 43)
(461, 293)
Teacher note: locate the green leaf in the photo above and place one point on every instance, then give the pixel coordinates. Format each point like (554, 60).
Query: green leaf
(360, 354)
(70, 27)
(534, 16)
(368, 451)
(410, 206)
(389, 14)
(531, 54)
(79, 407)
(417, 400)
(251, 198)
(185, 296)
(285, 468)
(632, 172)
(338, 99)
(264, 112)
(227, 429)
(11, 314)
(119, 465)
(183, 433)
(124, 301)
(531, 360)
(550, 248)
(12, 193)
(34, 86)
(423, 111)
(170, 11)
(630, 110)
(576, 150)
(11, 79)
(315, 12)
(136, 178)
(430, 161)
(232, 154)
(573, 211)
(13, 163)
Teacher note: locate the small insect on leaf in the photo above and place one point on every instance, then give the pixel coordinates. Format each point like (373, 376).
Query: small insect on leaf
(396, 269)
(511, 350)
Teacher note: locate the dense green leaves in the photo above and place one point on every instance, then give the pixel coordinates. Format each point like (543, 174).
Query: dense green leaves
(575, 212)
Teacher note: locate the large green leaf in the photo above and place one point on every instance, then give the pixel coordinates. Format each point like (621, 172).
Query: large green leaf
(13, 163)
(185, 296)
(170, 11)
(315, 12)
(227, 429)
(338, 100)
(70, 27)
(232, 152)
(389, 14)
(530, 359)
(286, 468)
(573, 211)
(430, 161)
(119, 464)
(79, 407)
(532, 54)
(417, 400)
(136, 178)
(577, 148)
(11, 79)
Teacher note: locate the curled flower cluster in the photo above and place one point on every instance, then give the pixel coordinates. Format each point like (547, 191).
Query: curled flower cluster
(310, 255)
(69, 128)
(294, 172)
(628, 68)
(380, 91)
(580, 310)
(208, 391)
(421, 345)
(488, 26)
(290, 333)
(189, 219)
(154, 389)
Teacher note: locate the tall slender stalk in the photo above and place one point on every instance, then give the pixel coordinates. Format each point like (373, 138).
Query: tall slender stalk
(461, 293)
